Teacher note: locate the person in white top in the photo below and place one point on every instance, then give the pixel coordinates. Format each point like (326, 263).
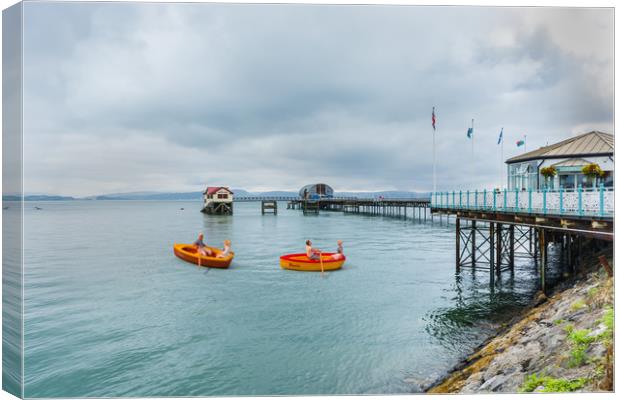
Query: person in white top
(339, 252)
(226, 250)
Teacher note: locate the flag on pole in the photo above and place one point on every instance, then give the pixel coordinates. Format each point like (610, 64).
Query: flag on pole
(470, 131)
(520, 143)
(501, 136)
(433, 118)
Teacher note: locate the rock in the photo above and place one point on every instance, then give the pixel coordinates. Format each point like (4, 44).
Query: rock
(576, 314)
(539, 298)
(495, 383)
(598, 331)
(473, 383)
(551, 341)
(597, 350)
(535, 335)
(512, 360)
(538, 343)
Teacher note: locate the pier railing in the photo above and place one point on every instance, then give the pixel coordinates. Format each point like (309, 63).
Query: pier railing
(587, 202)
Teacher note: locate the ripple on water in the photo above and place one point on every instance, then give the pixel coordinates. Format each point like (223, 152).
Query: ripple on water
(109, 310)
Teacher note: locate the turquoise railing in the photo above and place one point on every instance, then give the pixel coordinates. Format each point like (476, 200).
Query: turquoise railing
(596, 201)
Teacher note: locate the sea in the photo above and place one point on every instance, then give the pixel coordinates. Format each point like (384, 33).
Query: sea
(110, 311)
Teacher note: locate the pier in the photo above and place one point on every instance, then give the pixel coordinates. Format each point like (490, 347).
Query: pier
(492, 227)
(269, 206)
(495, 227)
(402, 208)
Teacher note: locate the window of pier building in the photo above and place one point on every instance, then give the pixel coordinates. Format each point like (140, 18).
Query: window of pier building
(523, 176)
(570, 181)
(570, 177)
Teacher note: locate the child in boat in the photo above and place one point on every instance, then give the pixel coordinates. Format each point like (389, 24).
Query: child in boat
(201, 246)
(226, 250)
(339, 252)
(311, 252)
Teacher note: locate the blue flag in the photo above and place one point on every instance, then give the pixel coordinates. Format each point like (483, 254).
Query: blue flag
(501, 136)
(470, 132)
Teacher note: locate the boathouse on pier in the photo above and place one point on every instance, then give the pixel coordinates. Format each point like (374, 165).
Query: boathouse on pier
(568, 157)
(217, 200)
(316, 191)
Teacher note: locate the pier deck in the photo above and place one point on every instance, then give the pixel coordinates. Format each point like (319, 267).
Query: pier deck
(387, 207)
(584, 212)
(491, 226)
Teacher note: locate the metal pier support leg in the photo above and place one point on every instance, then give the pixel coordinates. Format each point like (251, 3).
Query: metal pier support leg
(536, 240)
(511, 237)
(473, 243)
(498, 248)
(569, 254)
(492, 253)
(458, 244)
(543, 258)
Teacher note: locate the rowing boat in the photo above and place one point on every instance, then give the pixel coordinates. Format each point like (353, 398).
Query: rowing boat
(189, 253)
(301, 262)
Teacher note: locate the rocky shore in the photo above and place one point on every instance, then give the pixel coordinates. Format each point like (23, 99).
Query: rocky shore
(564, 343)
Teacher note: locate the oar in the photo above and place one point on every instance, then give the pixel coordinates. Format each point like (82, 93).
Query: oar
(321, 258)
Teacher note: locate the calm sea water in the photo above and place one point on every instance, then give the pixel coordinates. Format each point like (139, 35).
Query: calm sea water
(110, 311)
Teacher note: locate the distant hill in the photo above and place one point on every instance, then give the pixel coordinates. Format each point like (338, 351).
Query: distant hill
(149, 196)
(37, 197)
(275, 193)
(390, 194)
(241, 192)
(197, 196)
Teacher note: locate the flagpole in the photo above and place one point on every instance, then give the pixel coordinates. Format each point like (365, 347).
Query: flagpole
(434, 167)
(434, 158)
(472, 148)
(501, 157)
(501, 164)
(525, 143)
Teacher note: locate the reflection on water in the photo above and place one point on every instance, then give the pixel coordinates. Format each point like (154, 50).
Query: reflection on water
(478, 308)
(109, 310)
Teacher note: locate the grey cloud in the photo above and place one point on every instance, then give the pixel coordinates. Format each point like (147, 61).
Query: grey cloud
(285, 94)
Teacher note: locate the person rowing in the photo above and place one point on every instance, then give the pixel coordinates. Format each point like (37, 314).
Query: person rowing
(201, 247)
(311, 252)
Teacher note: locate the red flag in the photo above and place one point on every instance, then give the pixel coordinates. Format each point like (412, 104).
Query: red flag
(434, 118)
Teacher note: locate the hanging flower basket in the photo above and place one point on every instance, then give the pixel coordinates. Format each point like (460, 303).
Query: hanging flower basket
(593, 171)
(549, 172)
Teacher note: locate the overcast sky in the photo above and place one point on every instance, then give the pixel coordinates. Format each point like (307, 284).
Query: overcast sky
(171, 97)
